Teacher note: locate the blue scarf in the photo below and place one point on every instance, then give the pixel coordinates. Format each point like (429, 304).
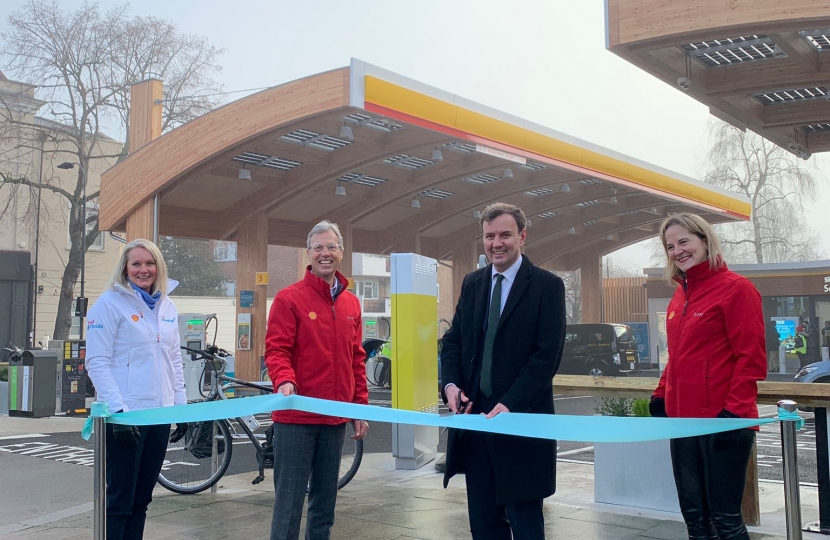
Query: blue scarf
(149, 300)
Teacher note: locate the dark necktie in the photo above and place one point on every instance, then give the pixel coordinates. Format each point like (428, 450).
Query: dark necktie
(490, 338)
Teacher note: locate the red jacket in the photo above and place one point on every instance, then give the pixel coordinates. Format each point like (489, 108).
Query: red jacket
(313, 341)
(715, 330)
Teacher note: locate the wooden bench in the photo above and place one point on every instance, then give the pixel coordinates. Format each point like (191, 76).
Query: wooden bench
(769, 393)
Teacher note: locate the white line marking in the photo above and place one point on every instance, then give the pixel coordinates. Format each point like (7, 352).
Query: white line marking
(27, 436)
(576, 451)
(562, 398)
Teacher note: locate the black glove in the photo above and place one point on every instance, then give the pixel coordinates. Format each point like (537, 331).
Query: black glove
(657, 407)
(725, 413)
(178, 433)
(126, 436)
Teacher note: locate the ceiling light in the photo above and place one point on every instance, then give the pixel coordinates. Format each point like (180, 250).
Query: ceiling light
(437, 155)
(415, 203)
(346, 132)
(477, 214)
(340, 190)
(508, 173)
(565, 188)
(244, 174)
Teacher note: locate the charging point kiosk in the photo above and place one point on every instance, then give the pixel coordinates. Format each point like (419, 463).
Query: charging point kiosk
(192, 332)
(414, 355)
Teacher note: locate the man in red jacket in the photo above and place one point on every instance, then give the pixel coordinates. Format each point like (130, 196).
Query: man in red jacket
(312, 348)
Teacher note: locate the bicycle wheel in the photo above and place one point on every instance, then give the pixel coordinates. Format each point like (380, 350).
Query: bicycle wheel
(188, 464)
(350, 458)
(263, 376)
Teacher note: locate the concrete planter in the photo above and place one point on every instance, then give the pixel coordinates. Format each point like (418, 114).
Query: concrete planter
(4, 397)
(635, 474)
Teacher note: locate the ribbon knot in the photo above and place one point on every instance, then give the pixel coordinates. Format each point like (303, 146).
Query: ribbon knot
(793, 416)
(99, 409)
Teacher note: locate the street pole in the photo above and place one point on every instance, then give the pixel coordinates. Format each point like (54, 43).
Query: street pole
(83, 253)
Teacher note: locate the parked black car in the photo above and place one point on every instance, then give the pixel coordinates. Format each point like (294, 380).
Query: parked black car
(599, 349)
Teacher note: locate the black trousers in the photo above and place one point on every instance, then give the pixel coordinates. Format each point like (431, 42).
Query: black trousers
(131, 477)
(710, 473)
(489, 520)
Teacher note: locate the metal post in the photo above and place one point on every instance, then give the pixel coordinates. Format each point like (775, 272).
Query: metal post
(83, 254)
(99, 491)
(792, 497)
(823, 469)
(214, 451)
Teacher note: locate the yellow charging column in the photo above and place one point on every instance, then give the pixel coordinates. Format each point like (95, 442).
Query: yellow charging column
(414, 355)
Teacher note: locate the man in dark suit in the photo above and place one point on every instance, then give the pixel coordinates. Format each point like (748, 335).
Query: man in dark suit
(500, 356)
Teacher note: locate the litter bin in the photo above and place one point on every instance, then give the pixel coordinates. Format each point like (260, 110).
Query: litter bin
(32, 383)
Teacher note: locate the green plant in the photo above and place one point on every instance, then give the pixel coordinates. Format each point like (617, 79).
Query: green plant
(4, 373)
(614, 406)
(640, 408)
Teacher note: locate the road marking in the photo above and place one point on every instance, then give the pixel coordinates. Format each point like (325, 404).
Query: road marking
(27, 436)
(575, 451)
(46, 519)
(570, 397)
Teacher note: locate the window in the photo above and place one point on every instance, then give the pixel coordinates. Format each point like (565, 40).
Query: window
(367, 289)
(224, 251)
(91, 220)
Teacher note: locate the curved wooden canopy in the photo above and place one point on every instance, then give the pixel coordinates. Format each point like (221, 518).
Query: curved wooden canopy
(389, 141)
(759, 64)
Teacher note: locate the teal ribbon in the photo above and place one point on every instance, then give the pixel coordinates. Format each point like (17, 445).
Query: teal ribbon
(786, 415)
(99, 409)
(544, 426)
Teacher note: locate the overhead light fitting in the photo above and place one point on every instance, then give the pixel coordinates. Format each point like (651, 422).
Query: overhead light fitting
(508, 173)
(340, 190)
(565, 188)
(437, 155)
(244, 174)
(416, 204)
(346, 132)
(477, 214)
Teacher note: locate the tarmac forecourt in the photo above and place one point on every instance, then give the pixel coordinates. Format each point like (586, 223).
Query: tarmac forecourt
(554, 426)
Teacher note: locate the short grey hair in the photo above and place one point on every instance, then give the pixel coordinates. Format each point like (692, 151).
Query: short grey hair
(322, 227)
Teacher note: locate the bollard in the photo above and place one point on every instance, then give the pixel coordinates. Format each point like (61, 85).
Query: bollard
(99, 474)
(792, 497)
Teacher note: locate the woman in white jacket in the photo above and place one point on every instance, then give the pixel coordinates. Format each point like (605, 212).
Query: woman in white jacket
(134, 361)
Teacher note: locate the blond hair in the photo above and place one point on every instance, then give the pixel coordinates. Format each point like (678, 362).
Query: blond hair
(698, 227)
(120, 275)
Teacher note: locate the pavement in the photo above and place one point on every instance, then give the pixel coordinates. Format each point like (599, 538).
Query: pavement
(47, 500)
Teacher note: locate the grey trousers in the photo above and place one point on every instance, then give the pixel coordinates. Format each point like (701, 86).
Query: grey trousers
(305, 455)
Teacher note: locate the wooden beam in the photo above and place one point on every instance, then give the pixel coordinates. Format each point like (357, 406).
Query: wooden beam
(797, 114)
(798, 49)
(160, 163)
(252, 257)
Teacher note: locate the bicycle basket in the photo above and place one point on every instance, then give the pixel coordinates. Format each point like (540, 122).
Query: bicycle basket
(197, 440)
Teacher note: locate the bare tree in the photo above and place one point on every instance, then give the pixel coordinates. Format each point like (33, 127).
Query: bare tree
(573, 295)
(82, 64)
(776, 182)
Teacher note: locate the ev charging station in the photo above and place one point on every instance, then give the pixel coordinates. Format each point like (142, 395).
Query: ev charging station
(414, 355)
(192, 332)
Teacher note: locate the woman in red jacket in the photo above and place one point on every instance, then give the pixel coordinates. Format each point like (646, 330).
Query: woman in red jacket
(715, 330)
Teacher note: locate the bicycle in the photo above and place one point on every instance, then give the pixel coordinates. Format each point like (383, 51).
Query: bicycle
(199, 459)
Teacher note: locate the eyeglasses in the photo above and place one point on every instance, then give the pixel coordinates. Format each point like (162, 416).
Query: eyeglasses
(318, 248)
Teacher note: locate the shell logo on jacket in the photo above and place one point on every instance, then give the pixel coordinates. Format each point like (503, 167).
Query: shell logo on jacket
(133, 355)
(716, 343)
